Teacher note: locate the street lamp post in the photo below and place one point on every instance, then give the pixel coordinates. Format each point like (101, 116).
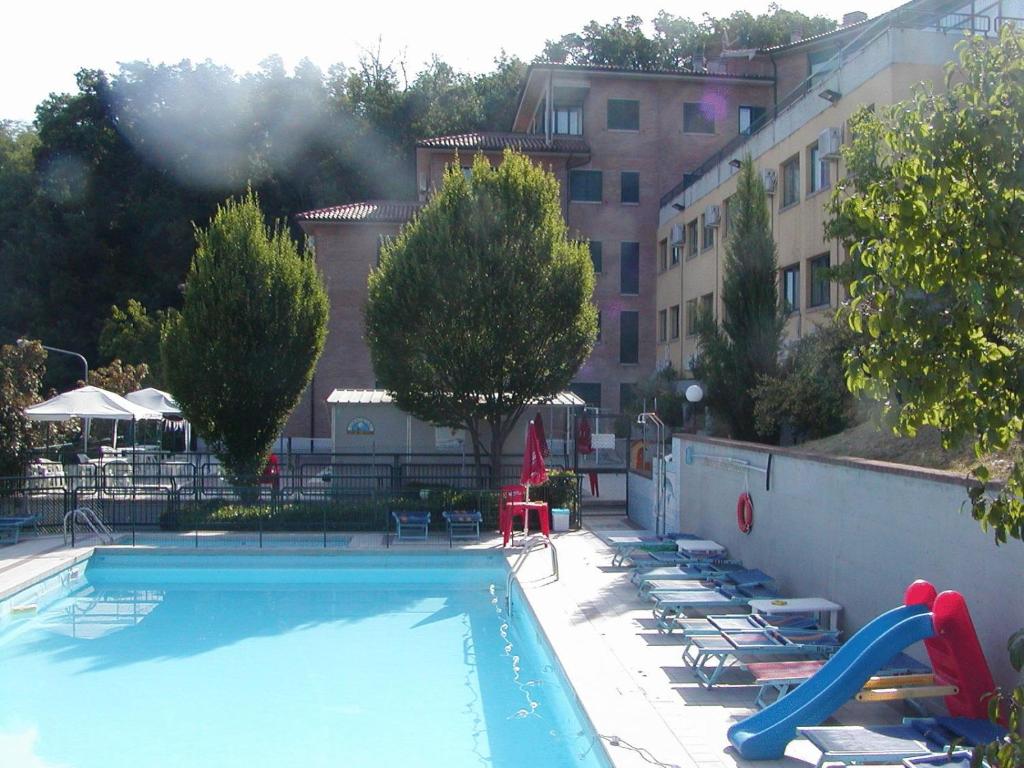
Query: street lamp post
(85, 367)
(85, 363)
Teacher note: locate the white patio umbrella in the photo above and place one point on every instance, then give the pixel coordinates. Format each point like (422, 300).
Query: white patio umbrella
(164, 402)
(90, 403)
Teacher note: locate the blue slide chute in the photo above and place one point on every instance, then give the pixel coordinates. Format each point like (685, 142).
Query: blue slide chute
(764, 736)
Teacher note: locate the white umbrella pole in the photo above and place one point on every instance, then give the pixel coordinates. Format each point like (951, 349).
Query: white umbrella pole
(114, 445)
(85, 437)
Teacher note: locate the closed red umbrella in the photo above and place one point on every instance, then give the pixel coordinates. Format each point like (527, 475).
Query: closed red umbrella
(538, 422)
(583, 435)
(585, 445)
(534, 472)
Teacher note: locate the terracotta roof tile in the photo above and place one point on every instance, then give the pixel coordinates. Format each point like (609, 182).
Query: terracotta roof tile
(523, 142)
(398, 211)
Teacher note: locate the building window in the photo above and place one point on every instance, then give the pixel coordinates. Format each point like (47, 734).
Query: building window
(662, 325)
(629, 337)
(629, 184)
(698, 118)
(623, 115)
(663, 255)
(820, 295)
(691, 239)
(629, 268)
(707, 234)
(691, 317)
(751, 119)
(707, 304)
(673, 321)
(676, 255)
(791, 288)
(467, 172)
(567, 121)
(817, 170)
(599, 324)
(596, 257)
(627, 395)
(726, 221)
(791, 181)
(585, 186)
(590, 393)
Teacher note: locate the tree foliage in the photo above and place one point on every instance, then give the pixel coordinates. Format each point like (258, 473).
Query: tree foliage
(21, 379)
(931, 215)
(98, 196)
(677, 42)
(132, 335)
(119, 377)
(482, 303)
(251, 329)
(808, 395)
(736, 353)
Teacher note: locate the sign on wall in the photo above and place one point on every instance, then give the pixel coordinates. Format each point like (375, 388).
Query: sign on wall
(449, 437)
(360, 426)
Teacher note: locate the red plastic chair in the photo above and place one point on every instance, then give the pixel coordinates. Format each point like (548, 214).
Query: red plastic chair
(507, 514)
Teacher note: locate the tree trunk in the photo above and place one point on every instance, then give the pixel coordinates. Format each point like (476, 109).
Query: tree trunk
(473, 427)
(497, 444)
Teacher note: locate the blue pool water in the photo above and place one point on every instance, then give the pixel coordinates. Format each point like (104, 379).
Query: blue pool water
(211, 660)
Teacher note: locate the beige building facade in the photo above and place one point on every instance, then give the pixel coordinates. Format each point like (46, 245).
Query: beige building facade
(797, 155)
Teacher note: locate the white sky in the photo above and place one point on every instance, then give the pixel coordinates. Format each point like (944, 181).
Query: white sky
(43, 46)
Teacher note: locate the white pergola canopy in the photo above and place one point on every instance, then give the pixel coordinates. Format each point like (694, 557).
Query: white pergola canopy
(90, 403)
(155, 400)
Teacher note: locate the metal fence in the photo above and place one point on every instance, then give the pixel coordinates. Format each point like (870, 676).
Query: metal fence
(314, 502)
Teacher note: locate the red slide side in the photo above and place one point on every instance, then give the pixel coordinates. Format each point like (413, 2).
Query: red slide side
(957, 657)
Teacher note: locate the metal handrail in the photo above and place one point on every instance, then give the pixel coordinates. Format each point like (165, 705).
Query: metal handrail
(91, 519)
(532, 544)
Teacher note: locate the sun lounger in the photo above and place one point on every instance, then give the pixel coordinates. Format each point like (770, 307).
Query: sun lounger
(10, 527)
(713, 626)
(745, 577)
(668, 605)
(917, 737)
(462, 525)
(694, 571)
(783, 676)
(625, 546)
(412, 526)
(712, 655)
(960, 758)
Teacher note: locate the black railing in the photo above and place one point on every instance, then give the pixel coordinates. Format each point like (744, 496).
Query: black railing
(316, 506)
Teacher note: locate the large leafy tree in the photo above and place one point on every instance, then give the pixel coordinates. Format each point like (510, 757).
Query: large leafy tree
(482, 303)
(251, 329)
(736, 353)
(21, 377)
(931, 214)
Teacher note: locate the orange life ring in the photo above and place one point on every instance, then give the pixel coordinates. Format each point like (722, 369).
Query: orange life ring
(745, 513)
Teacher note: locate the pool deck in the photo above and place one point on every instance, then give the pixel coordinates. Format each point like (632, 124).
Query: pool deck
(645, 705)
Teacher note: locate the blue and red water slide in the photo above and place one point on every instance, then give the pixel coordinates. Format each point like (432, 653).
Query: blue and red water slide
(941, 621)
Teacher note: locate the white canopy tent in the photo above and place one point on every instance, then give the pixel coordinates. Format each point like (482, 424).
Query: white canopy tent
(158, 400)
(155, 400)
(90, 403)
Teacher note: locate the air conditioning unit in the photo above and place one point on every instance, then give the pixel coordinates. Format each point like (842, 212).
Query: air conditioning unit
(770, 179)
(712, 216)
(829, 142)
(678, 234)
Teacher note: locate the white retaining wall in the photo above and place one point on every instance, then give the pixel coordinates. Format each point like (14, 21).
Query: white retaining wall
(854, 531)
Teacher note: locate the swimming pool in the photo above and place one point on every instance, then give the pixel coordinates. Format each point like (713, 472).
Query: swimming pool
(201, 660)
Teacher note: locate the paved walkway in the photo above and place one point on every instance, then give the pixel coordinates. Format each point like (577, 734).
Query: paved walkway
(644, 704)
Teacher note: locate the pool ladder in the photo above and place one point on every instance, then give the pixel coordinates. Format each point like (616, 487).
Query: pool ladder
(92, 520)
(529, 545)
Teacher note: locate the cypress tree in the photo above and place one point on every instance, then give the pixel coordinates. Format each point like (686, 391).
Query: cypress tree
(736, 353)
